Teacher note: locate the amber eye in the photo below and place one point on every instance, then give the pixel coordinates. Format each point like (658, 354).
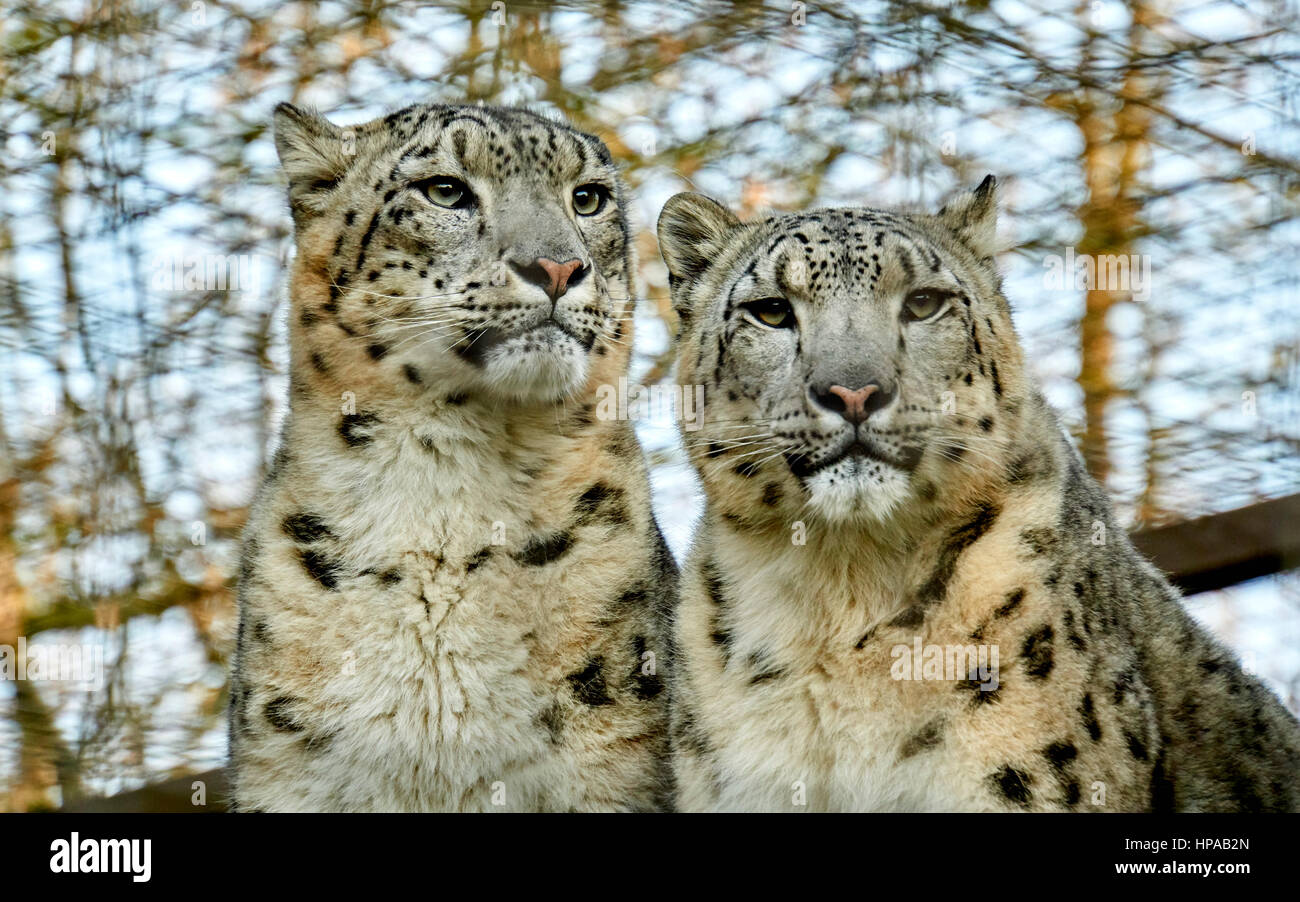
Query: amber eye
(588, 200)
(446, 191)
(923, 303)
(774, 312)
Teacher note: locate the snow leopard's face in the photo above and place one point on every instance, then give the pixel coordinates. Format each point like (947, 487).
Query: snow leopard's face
(481, 249)
(851, 358)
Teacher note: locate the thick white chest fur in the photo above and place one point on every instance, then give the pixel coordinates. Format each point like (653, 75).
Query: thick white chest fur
(434, 674)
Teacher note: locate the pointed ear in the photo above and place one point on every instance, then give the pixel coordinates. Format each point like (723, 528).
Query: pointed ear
(692, 230)
(314, 155)
(973, 217)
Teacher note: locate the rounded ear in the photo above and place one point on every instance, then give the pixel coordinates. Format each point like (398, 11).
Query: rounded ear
(314, 154)
(692, 230)
(973, 217)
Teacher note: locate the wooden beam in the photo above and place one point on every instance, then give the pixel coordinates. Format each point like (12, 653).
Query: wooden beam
(1224, 549)
(170, 797)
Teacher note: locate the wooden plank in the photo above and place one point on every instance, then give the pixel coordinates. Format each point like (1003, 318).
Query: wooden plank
(1221, 550)
(170, 797)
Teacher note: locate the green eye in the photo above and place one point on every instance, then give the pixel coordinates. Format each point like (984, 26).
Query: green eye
(588, 200)
(774, 312)
(923, 303)
(447, 192)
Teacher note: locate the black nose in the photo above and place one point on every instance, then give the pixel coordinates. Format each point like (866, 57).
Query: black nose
(854, 404)
(553, 278)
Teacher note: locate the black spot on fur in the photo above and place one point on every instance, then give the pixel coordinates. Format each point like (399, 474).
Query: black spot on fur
(315, 743)
(306, 528)
(1072, 634)
(261, 632)
(1012, 784)
(771, 494)
(545, 549)
(478, 558)
(322, 568)
(1059, 754)
(589, 683)
(1089, 714)
(1136, 747)
(986, 423)
(376, 351)
(1012, 601)
(601, 503)
(764, 669)
(927, 737)
(1037, 652)
(390, 577)
(980, 695)
(277, 713)
(1038, 539)
(909, 618)
(352, 428)
(645, 686)
(552, 719)
(412, 374)
(747, 469)
(959, 540)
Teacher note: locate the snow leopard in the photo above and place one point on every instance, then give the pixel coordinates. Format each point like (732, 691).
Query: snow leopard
(906, 592)
(452, 590)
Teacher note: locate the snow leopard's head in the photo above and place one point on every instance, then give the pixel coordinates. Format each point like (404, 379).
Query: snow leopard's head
(852, 359)
(482, 250)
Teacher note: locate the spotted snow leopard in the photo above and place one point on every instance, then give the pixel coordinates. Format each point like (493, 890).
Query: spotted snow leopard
(452, 583)
(906, 593)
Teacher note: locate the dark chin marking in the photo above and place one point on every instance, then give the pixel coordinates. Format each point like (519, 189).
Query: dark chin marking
(472, 346)
(906, 461)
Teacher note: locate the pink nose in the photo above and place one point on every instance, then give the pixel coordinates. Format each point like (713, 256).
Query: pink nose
(855, 402)
(558, 274)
